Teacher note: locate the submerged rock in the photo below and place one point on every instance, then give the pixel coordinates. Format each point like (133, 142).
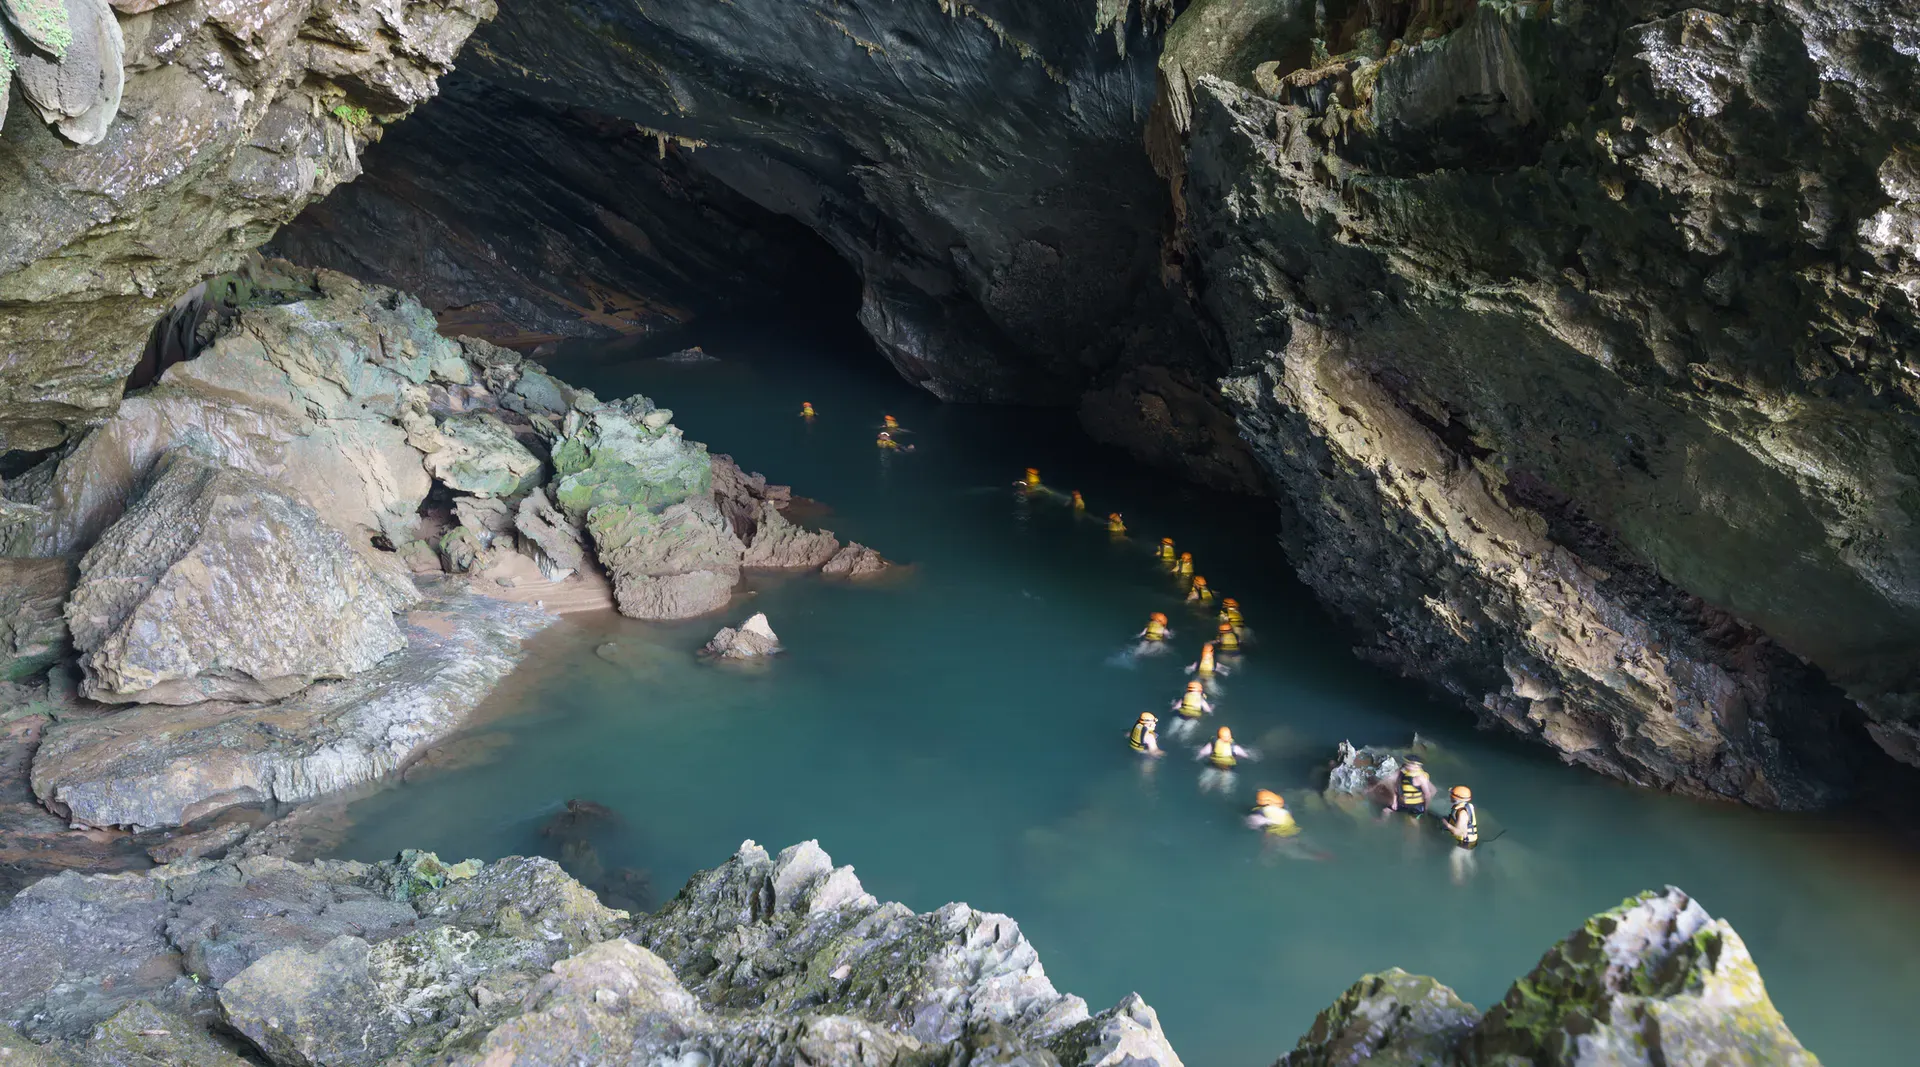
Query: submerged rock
(33, 626)
(155, 765)
(755, 637)
(217, 586)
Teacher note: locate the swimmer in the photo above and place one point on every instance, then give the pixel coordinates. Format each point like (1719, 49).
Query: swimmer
(888, 422)
(1078, 503)
(1199, 593)
(806, 409)
(1206, 667)
(1271, 815)
(1184, 568)
(1221, 753)
(1166, 550)
(886, 441)
(1156, 629)
(1032, 480)
(1413, 790)
(1228, 640)
(1193, 703)
(1230, 613)
(1462, 823)
(1115, 525)
(1142, 738)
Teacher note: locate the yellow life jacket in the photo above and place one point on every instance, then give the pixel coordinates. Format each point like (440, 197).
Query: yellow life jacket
(1472, 836)
(1232, 617)
(1279, 821)
(1166, 553)
(1185, 568)
(1203, 593)
(1156, 631)
(1228, 642)
(1411, 795)
(1190, 704)
(1222, 756)
(1137, 737)
(1116, 526)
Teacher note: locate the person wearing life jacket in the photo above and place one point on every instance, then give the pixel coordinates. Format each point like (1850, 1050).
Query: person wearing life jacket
(888, 422)
(1200, 593)
(1115, 525)
(1078, 503)
(806, 409)
(1230, 613)
(1205, 667)
(1413, 790)
(1156, 628)
(886, 440)
(1193, 703)
(1144, 736)
(1221, 753)
(1032, 480)
(1228, 640)
(1184, 568)
(1270, 814)
(1462, 823)
(1165, 551)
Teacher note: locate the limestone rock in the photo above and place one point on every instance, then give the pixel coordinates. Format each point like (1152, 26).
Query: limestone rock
(33, 628)
(608, 456)
(216, 838)
(558, 541)
(481, 456)
(780, 545)
(72, 73)
(154, 765)
(855, 560)
(740, 496)
(141, 1035)
(218, 586)
(231, 118)
(1656, 980)
(680, 563)
(755, 637)
(1390, 1019)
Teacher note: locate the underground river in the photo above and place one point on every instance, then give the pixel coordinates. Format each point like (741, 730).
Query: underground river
(956, 733)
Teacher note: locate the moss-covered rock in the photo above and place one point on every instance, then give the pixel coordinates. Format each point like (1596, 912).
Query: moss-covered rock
(1390, 1019)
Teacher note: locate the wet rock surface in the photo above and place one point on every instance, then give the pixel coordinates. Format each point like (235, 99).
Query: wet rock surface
(855, 560)
(763, 959)
(1552, 333)
(33, 627)
(754, 638)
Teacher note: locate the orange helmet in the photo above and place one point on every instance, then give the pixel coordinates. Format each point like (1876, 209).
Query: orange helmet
(1076, 494)
(1267, 798)
(1199, 579)
(1193, 685)
(1166, 540)
(1186, 555)
(1461, 792)
(1224, 734)
(1113, 516)
(1033, 472)
(1149, 717)
(1158, 616)
(1230, 602)
(1226, 627)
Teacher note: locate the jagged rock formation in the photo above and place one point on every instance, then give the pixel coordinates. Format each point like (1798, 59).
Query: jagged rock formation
(1654, 981)
(217, 586)
(754, 638)
(33, 627)
(1573, 338)
(230, 118)
(762, 959)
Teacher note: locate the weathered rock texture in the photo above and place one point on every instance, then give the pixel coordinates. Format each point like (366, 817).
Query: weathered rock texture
(215, 585)
(416, 962)
(754, 638)
(1654, 981)
(231, 118)
(157, 765)
(33, 628)
(1573, 336)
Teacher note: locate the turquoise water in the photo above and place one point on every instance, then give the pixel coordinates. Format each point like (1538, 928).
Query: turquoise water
(955, 732)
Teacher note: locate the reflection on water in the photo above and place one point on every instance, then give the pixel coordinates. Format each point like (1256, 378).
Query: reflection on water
(958, 733)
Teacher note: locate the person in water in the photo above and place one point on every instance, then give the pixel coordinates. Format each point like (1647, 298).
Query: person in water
(1228, 641)
(1143, 738)
(1079, 504)
(1221, 753)
(806, 409)
(1156, 628)
(1166, 550)
(1270, 814)
(888, 422)
(886, 441)
(1413, 791)
(1230, 613)
(1199, 593)
(1115, 525)
(1205, 668)
(1032, 480)
(1461, 822)
(1193, 703)
(1184, 568)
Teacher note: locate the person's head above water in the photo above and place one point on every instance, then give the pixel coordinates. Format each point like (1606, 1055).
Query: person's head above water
(1230, 602)
(1461, 792)
(1186, 557)
(1158, 616)
(1224, 734)
(1200, 580)
(1414, 763)
(1149, 718)
(1226, 627)
(1267, 798)
(1194, 686)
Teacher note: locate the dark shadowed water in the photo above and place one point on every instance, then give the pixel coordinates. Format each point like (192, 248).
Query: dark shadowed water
(956, 734)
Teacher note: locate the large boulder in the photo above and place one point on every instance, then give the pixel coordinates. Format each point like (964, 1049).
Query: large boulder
(157, 765)
(1390, 1019)
(781, 545)
(217, 585)
(627, 454)
(754, 638)
(855, 560)
(679, 563)
(479, 454)
(33, 626)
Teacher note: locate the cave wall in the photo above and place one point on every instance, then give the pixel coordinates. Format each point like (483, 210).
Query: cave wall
(229, 119)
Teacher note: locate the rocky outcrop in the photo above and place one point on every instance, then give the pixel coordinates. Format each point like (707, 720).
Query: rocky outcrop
(230, 118)
(679, 563)
(764, 959)
(33, 627)
(1573, 340)
(755, 638)
(156, 765)
(855, 561)
(1656, 980)
(781, 545)
(217, 586)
